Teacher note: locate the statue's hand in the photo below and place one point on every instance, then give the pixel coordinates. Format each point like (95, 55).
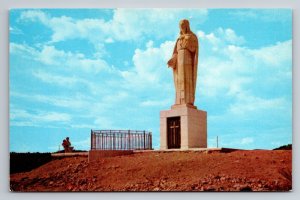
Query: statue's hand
(172, 61)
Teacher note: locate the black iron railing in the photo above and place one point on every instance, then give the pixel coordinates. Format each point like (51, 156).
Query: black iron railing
(120, 140)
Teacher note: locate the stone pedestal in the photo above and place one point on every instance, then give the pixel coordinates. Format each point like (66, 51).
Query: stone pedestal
(193, 127)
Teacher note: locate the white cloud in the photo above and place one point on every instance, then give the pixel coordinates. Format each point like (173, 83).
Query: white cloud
(15, 31)
(129, 24)
(126, 24)
(221, 37)
(246, 104)
(57, 79)
(266, 15)
(74, 102)
(246, 85)
(230, 36)
(62, 26)
(22, 49)
(70, 82)
(22, 117)
(34, 15)
(278, 55)
(55, 117)
(239, 141)
(51, 56)
(150, 68)
(149, 44)
(102, 123)
(277, 143)
(82, 144)
(115, 97)
(109, 40)
(229, 68)
(247, 140)
(18, 113)
(153, 103)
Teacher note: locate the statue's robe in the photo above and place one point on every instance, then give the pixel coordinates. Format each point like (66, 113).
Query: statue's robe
(185, 57)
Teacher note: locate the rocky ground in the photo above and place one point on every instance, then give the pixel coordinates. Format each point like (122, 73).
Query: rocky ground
(255, 170)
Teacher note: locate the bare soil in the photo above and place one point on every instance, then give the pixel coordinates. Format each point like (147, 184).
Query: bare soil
(255, 170)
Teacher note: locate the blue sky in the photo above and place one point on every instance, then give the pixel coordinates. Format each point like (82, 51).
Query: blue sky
(73, 70)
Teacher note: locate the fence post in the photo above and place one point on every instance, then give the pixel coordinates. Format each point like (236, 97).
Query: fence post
(129, 140)
(102, 140)
(114, 145)
(92, 140)
(110, 140)
(138, 141)
(144, 140)
(150, 140)
(121, 141)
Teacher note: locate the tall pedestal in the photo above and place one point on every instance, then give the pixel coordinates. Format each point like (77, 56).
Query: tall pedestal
(183, 127)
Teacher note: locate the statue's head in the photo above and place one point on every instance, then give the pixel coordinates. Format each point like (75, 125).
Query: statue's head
(184, 26)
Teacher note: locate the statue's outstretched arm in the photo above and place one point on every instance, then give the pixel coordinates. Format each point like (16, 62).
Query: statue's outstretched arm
(173, 61)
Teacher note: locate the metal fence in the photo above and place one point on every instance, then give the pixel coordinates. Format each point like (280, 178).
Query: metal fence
(120, 140)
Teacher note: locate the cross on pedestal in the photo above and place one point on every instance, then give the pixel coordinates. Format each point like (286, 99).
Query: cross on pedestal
(173, 128)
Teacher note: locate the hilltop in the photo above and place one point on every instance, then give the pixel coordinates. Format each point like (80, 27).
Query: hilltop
(251, 170)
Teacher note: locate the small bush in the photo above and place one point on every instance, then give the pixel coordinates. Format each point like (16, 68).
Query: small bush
(284, 147)
(23, 162)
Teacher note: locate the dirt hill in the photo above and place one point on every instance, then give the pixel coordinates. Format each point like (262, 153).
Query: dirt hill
(258, 170)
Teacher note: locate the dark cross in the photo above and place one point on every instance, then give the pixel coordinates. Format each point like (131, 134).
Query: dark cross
(173, 128)
(174, 125)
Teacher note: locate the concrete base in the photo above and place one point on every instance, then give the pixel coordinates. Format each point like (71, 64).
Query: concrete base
(193, 127)
(95, 155)
(84, 154)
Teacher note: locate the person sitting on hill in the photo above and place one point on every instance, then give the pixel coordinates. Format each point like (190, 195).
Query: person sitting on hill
(67, 145)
